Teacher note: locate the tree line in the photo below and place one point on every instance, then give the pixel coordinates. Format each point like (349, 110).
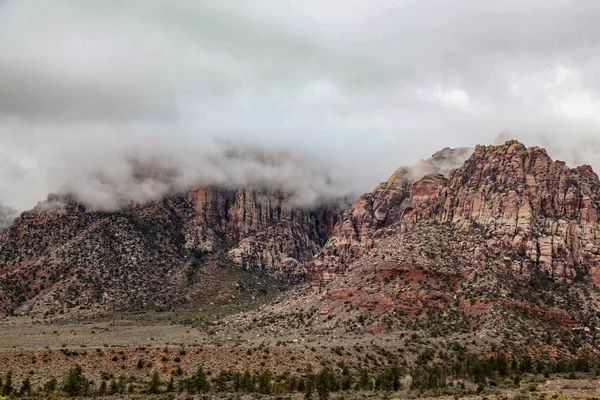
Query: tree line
(424, 375)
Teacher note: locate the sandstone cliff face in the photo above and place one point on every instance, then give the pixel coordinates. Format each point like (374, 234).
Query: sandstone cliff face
(63, 255)
(233, 215)
(541, 209)
(359, 226)
(264, 229)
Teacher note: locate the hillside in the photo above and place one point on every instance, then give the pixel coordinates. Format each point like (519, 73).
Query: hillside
(504, 247)
(210, 244)
(503, 252)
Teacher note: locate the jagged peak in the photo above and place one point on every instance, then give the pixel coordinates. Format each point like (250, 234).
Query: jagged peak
(513, 157)
(509, 147)
(448, 153)
(585, 170)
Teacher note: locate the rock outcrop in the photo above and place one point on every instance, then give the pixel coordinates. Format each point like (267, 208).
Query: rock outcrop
(63, 255)
(373, 211)
(541, 209)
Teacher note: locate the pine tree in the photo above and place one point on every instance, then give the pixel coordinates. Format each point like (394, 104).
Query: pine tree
(86, 387)
(25, 387)
(246, 382)
(502, 364)
(121, 384)
(113, 387)
(309, 387)
(291, 383)
(154, 387)
(237, 381)
(170, 386)
(50, 386)
(102, 388)
(199, 382)
(74, 384)
(395, 372)
(323, 382)
(364, 381)
(264, 382)
(7, 388)
(221, 381)
(346, 379)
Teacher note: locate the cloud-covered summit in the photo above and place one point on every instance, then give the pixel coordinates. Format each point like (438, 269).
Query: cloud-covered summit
(343, 91)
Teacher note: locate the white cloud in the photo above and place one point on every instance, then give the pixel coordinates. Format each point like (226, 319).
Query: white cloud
(340, 84)
(453, 97)
(562, 76)
(321, 92)
(576, 105)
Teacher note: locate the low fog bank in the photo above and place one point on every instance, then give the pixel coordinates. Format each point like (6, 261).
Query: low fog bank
(115, 174)
(126, 101)
(110, 173)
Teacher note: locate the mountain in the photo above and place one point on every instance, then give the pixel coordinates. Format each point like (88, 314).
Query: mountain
(496, 245)
(379, 209)
(472, 270)
(209, 244)
(505, 249)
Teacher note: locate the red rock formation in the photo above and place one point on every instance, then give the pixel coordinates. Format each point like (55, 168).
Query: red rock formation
(542, 209)
(64, 255)
(424, 189)
(383, 207)
(506, 246)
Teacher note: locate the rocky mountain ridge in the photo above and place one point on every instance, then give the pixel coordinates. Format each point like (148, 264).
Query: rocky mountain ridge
(541, 209)
(371, 212)
(62, 255)
(65, 255)
(504, 249)
(534, 206)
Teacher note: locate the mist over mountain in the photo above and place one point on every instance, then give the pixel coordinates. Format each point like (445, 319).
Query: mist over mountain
(147, 172)
(6, 217)
(317, 98)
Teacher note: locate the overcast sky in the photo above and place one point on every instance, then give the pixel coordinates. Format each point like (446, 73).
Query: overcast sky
(340, 91)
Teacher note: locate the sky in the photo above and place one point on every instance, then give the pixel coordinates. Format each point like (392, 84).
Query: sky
(131, 99)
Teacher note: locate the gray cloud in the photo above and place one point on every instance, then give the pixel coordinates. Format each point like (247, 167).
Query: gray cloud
(321, 96)
(6, 217)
